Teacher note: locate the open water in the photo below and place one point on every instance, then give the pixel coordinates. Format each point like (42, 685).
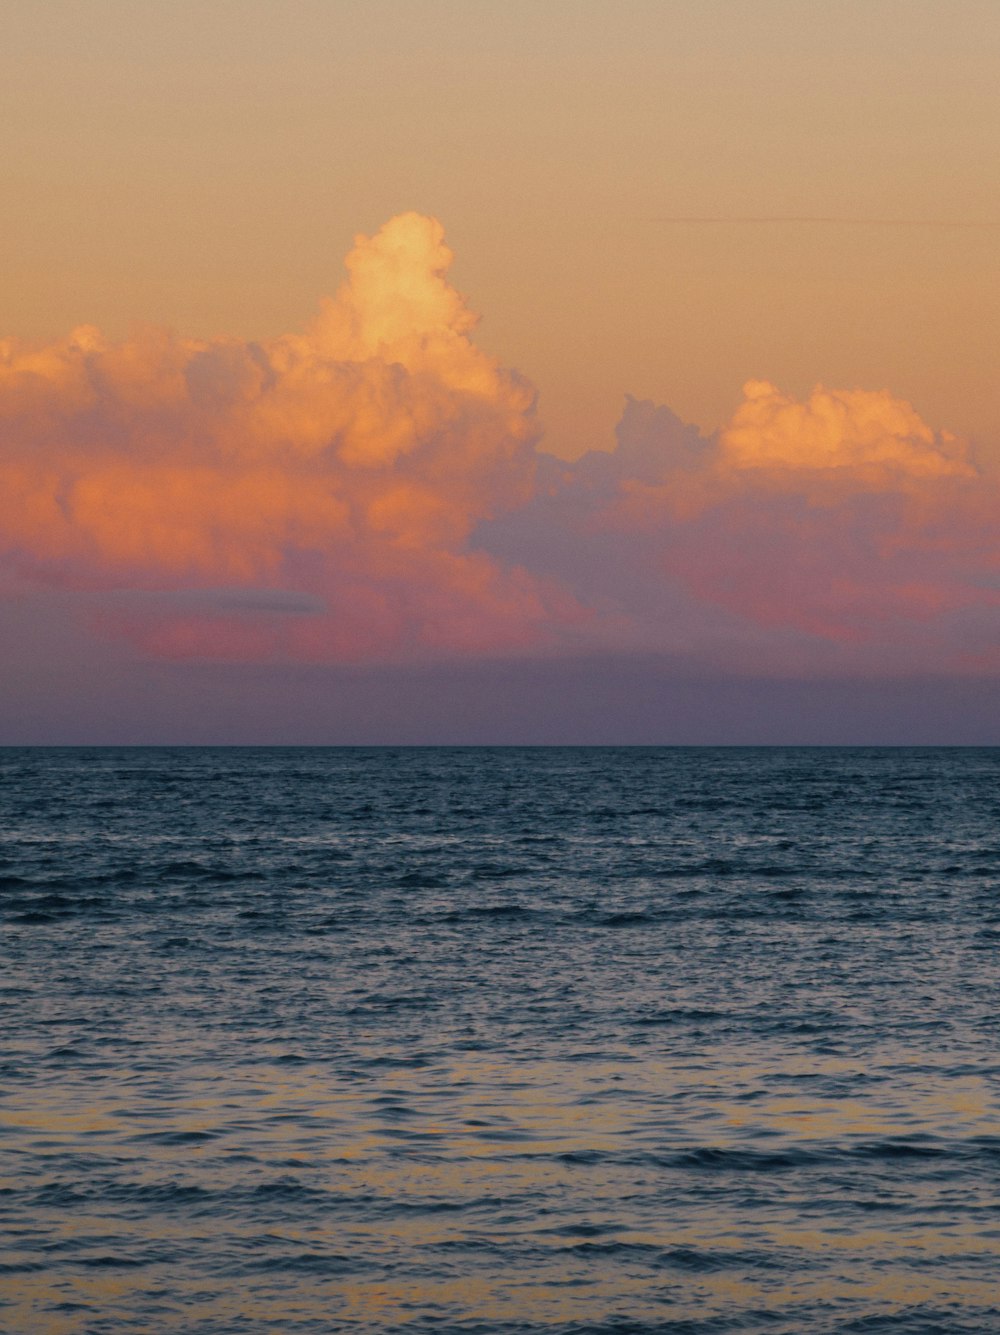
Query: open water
(499, 1040)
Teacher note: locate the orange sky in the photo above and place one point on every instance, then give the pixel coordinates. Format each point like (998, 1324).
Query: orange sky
(206, 167)
(371, 489)
(732, 402)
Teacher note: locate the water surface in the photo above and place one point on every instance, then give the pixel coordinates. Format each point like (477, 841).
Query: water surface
(499, 1040)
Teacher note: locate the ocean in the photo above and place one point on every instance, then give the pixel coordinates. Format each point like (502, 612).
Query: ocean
(499, 1040)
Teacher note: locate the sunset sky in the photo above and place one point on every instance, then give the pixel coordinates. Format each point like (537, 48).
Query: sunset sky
(719, 461)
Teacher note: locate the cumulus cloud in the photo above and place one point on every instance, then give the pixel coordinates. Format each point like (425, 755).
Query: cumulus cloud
(838, 531)
(348, 463)
(372, 489)
(871, 437)
(824, 515)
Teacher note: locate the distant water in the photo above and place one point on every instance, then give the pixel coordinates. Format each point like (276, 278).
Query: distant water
(475, 1040)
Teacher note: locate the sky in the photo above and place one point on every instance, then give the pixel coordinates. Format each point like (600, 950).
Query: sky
(563, 372)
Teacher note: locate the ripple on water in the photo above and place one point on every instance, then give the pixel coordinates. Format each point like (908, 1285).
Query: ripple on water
(499, 1041)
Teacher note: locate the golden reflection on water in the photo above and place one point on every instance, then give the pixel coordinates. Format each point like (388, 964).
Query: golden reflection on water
(486, 1298)
(478, 1133)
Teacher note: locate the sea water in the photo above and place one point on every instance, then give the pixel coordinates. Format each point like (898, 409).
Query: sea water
(499, 1040)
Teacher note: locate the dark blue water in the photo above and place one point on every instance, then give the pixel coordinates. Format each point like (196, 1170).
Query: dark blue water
(500, 1040)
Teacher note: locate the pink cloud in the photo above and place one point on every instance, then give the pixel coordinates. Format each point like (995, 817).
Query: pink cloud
(371, 489)
(350, 462)
(844, 521)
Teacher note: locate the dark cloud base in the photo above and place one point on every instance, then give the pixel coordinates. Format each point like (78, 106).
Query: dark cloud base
(593, 701)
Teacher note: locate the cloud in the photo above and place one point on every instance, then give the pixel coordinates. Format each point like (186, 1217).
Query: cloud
(872, 438)
(839, 532)
(347, 464)
(825, 515)
(372, 490)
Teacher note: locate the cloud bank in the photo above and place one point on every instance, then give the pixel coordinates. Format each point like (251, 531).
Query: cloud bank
(348, 464)
(833, 534)
(373, 490)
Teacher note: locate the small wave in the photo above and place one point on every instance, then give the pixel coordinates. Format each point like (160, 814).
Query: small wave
(421, 880)
(635, 918)
(176, 1137)
(890, 1150)
(495, 871)
(312, 1263)
(717, 1159)
(497, 911)
(614, 1249)
(109, 1261)
(677, 1015)
(486, 913)
(581, 1157)
(187, 870)
(393, 1001)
